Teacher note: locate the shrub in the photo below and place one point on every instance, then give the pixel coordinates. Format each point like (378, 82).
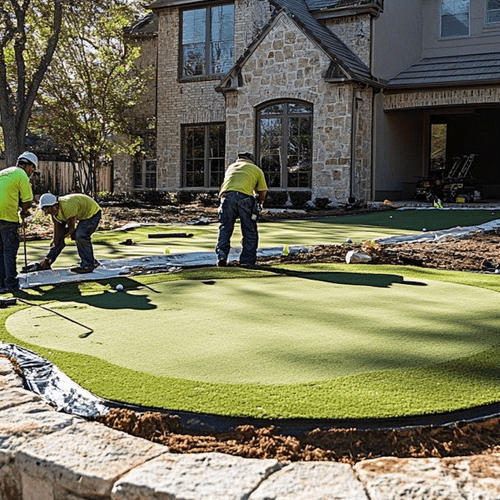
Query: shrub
(299, 198)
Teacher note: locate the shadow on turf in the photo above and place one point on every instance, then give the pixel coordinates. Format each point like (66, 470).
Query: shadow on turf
(360, 279)
(104, 295)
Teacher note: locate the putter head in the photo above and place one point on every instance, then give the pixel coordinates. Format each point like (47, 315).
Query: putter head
(34, 266)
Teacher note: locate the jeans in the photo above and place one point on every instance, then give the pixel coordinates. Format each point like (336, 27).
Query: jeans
(236, 205)
(82, 236)
(9, 246)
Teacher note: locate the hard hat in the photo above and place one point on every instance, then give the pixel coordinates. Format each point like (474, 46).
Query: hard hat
(47, 200)
(29, 157)
(247, 155)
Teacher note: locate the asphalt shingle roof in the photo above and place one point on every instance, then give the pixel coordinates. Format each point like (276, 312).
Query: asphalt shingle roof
(328, 40)
(450, 70)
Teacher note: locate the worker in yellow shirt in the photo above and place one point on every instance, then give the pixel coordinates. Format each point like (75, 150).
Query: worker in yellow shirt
(75, 216)
(242, 194)
(15, 193)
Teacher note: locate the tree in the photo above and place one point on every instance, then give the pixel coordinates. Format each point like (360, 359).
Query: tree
(24, 26)
(93, 84)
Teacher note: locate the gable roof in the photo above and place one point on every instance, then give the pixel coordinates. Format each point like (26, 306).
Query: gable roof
(450, 70)
(328, 41)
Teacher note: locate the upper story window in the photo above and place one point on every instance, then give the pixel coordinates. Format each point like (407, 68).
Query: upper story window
(493, 12)
(455, 18)
(207, 40)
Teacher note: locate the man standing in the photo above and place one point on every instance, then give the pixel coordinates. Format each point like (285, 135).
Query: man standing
(15, 191)
(66, 211)
(242, 194)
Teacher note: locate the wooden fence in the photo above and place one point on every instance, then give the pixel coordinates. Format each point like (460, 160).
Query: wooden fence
(61, 178)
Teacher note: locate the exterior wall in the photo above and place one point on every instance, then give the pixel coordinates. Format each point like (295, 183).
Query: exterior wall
(123, 178)
(397, 37)
(288, 65)
(196, 101)
(427, 98)
(483, 37)
(355, 32)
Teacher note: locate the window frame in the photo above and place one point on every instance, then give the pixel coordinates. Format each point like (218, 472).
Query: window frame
(207, 61)
(284, 172)
(142, 165)
(487, 13)
(441, 17)
(207, 158)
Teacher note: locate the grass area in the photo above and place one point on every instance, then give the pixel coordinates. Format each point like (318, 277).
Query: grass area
(367, 341)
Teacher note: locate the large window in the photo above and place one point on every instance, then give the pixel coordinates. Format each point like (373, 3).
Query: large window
(493, 12)
(455, 18)
(203, 155)
(285, 144)
(207, 40)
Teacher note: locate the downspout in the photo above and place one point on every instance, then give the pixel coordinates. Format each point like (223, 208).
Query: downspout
(354, 124)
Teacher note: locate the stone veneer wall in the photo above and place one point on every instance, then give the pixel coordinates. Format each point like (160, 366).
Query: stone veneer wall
(411, 99)
(288, 65)
(355, 32)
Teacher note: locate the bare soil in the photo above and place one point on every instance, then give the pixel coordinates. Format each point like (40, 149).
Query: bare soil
(479, 253)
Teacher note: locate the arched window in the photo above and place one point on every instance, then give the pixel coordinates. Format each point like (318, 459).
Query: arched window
(493, 12)
(285, 143)
(455, 18)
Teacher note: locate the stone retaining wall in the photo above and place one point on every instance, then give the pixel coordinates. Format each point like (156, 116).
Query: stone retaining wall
(46, 455)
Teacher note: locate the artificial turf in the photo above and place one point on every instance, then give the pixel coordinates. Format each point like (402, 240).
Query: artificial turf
(317, 341)
(313, 341)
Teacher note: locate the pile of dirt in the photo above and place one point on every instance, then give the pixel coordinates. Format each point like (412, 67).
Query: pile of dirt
(478, 253)
(339, 445)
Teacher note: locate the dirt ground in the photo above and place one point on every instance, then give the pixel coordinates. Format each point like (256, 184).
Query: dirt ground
(479, 253)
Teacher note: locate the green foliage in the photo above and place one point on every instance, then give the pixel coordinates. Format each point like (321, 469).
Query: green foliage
(93, 84)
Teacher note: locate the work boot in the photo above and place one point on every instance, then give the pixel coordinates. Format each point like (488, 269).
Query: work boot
(82, 270)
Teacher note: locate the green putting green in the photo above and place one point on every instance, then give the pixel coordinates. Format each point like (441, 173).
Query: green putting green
(323, 341)
(313, 341)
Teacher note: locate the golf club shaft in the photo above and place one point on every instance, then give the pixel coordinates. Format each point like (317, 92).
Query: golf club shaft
(24, 240)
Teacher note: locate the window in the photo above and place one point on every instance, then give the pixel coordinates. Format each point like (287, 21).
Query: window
(493, 12)
(204, 149)
(207, 40)
(145, 174)
(285, 144)
(454, 18)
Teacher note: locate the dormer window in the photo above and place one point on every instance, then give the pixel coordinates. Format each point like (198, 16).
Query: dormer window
(455, 18)
(207, 40)
(493, 12)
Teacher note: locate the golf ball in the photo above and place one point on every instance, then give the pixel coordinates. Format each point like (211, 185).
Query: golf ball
(424, 229)
(119, 287)
(390, 217)
(348, 240)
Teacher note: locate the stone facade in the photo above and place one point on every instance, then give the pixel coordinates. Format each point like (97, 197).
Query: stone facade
(427, 98)
(289, 65)
(284, 63)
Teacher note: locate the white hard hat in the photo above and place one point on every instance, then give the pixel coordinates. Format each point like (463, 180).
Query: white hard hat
(28, 156)
(47, 200)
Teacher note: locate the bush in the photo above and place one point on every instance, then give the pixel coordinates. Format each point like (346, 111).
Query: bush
(276, 199)
(208, 199)
(299, 198)
(321, 203)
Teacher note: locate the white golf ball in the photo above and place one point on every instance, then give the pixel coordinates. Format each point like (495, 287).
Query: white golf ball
(119, 287)
(348, 240)
(390, 217)
(424, 229)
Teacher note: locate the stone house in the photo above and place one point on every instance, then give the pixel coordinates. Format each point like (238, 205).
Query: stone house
(338, 99)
